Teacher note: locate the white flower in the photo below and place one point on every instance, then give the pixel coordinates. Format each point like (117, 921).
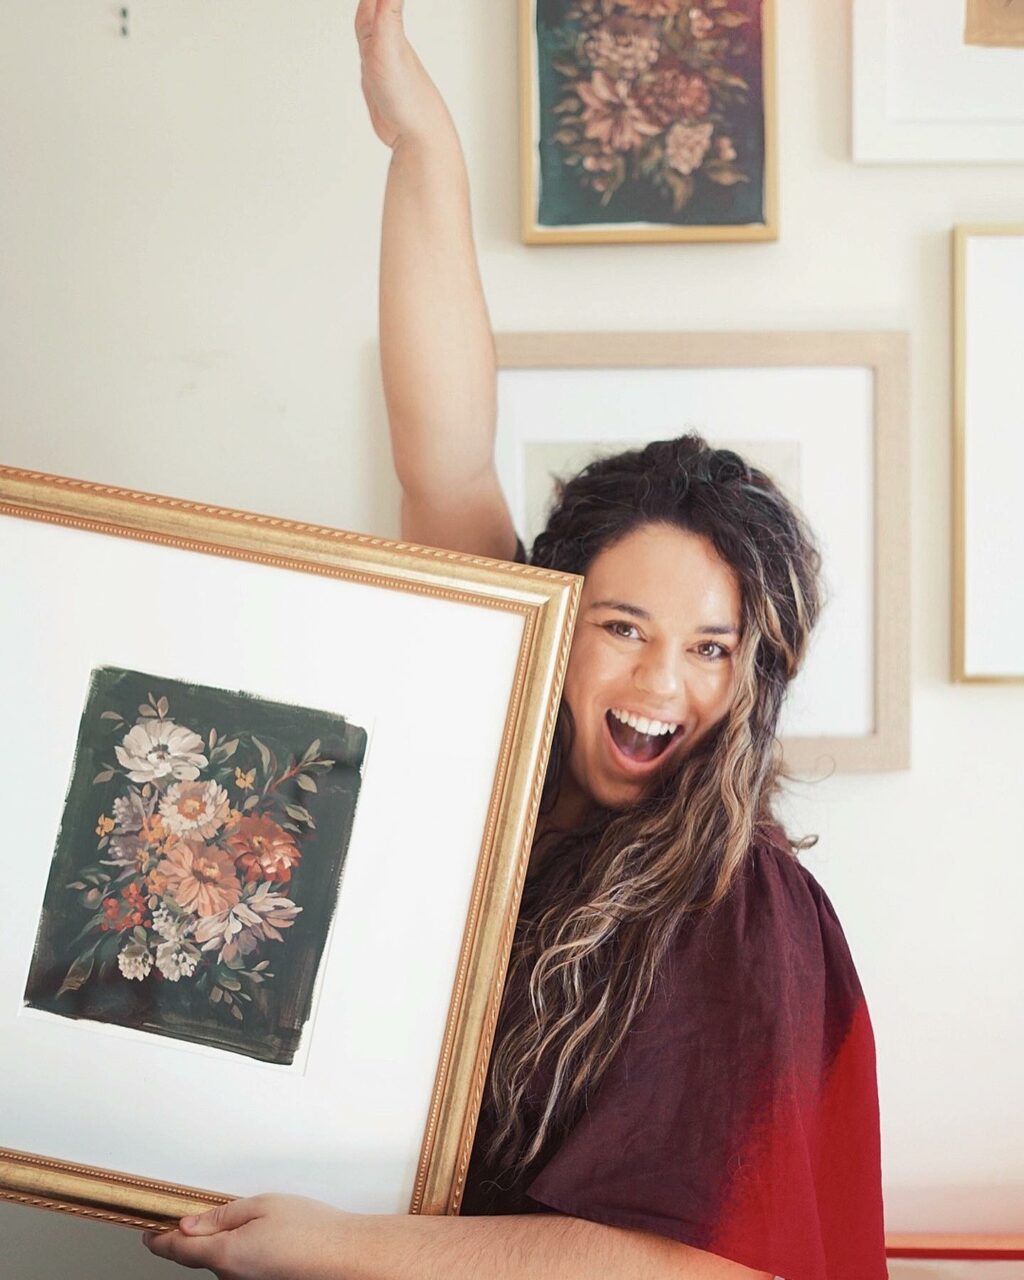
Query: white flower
(157, 749)
(176, 959)
(135, 960)
(129, 813)
(195, 808)
(170, 927)
(686, 146)
(238, 931)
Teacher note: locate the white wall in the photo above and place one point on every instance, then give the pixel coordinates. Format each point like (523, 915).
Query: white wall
(189, 228)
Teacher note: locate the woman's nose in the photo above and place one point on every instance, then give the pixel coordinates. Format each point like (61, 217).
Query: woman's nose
(658, 674)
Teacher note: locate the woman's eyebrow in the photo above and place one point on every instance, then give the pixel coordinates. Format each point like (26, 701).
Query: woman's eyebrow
(633, 610)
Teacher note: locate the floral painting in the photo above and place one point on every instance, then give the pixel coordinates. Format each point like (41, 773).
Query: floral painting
(651, 111)
(197, 864)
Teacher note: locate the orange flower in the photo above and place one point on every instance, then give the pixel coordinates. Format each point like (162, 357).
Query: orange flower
(200, 877)
(244, 781)
(104, 825)
(263, 850)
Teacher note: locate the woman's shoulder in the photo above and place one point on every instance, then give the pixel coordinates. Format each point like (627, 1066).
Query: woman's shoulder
(775, 931)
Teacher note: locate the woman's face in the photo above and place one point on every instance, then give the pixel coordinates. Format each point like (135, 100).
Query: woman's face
(652, 665)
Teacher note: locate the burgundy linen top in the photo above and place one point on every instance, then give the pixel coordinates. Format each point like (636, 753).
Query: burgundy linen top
(741, 1114)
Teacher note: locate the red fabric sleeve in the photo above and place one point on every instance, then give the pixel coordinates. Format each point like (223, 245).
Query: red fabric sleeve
(741, 1116)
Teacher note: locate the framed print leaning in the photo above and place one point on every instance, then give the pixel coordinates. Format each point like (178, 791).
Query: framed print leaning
(988, 459)
(272, 788)
(647, 120)
(825, 414)
(922, 92)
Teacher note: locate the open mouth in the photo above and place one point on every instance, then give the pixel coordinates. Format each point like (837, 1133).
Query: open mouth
(636, 744)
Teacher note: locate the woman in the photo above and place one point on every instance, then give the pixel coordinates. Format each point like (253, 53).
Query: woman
(683, 1077)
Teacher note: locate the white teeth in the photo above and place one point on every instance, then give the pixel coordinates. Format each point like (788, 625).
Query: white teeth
(654, 728)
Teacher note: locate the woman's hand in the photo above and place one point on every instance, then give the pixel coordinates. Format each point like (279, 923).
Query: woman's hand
(403, 101)
(260, 1238)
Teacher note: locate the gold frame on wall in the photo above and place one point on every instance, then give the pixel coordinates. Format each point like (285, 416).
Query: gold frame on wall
(534, 234)
(547, 603)
(961, 235)
(887, 356)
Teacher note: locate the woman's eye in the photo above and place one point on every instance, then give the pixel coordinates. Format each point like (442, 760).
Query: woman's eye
(626, 630)
(712, 649)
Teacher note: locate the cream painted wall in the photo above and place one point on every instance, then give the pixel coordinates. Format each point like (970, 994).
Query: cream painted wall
(189, 231)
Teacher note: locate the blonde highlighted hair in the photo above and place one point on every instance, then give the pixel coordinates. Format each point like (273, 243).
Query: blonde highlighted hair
(606, 901)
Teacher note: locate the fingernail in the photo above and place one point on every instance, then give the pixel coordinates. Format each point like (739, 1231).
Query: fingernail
(188, 1223)
(147, 1238)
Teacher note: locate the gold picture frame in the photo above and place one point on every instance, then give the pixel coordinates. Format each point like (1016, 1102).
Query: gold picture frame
(528, 612)
(976, 443)
(623, 389)
(704, 229)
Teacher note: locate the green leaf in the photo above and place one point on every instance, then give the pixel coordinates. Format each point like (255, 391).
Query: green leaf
(306, 782)
(264, 751)
(147, 712)
(162, 708)
(312, 751)
(236, 1012)
(75, 884)
(681, 188)
(263, 964)
(79, 972)
(216, 995)
(300, 814)
(726, 177)
(250, 802)
(111, 715)
(104, 776)
(139, 934)
(212, 740)
(290, 826)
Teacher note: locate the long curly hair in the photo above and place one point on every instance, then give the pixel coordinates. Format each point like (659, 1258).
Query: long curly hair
(606, 900)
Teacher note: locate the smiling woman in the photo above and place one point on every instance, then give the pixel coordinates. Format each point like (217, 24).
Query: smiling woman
(682, 1083)
(647, 681)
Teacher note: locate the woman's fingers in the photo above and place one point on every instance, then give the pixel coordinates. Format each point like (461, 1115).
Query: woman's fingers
(369, 13)
(226, 1217)
(175, 1247)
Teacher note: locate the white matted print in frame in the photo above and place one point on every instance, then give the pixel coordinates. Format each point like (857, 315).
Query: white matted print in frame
(244, 757)
(922, 93)
(988, 637)
(825, 414)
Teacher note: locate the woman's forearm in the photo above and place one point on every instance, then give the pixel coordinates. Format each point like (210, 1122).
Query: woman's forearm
(437, 351)
(537, 1247)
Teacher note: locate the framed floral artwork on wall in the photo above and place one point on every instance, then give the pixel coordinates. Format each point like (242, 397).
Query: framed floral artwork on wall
(647, 120)
(824, 414)
(272, 788)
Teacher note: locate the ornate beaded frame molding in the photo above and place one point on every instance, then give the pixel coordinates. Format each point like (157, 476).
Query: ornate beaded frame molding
(547, 602)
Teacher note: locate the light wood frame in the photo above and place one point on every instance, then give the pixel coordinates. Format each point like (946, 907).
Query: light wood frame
(952, 1248)
(534, 234)
(546, 601)
(961, 236)
(887, 356)
(881, 137)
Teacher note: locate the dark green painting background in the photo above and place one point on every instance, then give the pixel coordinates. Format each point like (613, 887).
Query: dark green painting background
(565, 201)
(281, 1006)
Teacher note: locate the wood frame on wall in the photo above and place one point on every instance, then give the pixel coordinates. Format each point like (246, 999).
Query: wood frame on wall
(534, 234)
(953, 1248)
(546, 601)
(886, 354)
(961, 236)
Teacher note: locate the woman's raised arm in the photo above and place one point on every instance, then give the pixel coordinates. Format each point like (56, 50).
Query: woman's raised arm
(437, 350)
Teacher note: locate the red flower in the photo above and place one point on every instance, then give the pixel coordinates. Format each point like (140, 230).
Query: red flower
(263, 850)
